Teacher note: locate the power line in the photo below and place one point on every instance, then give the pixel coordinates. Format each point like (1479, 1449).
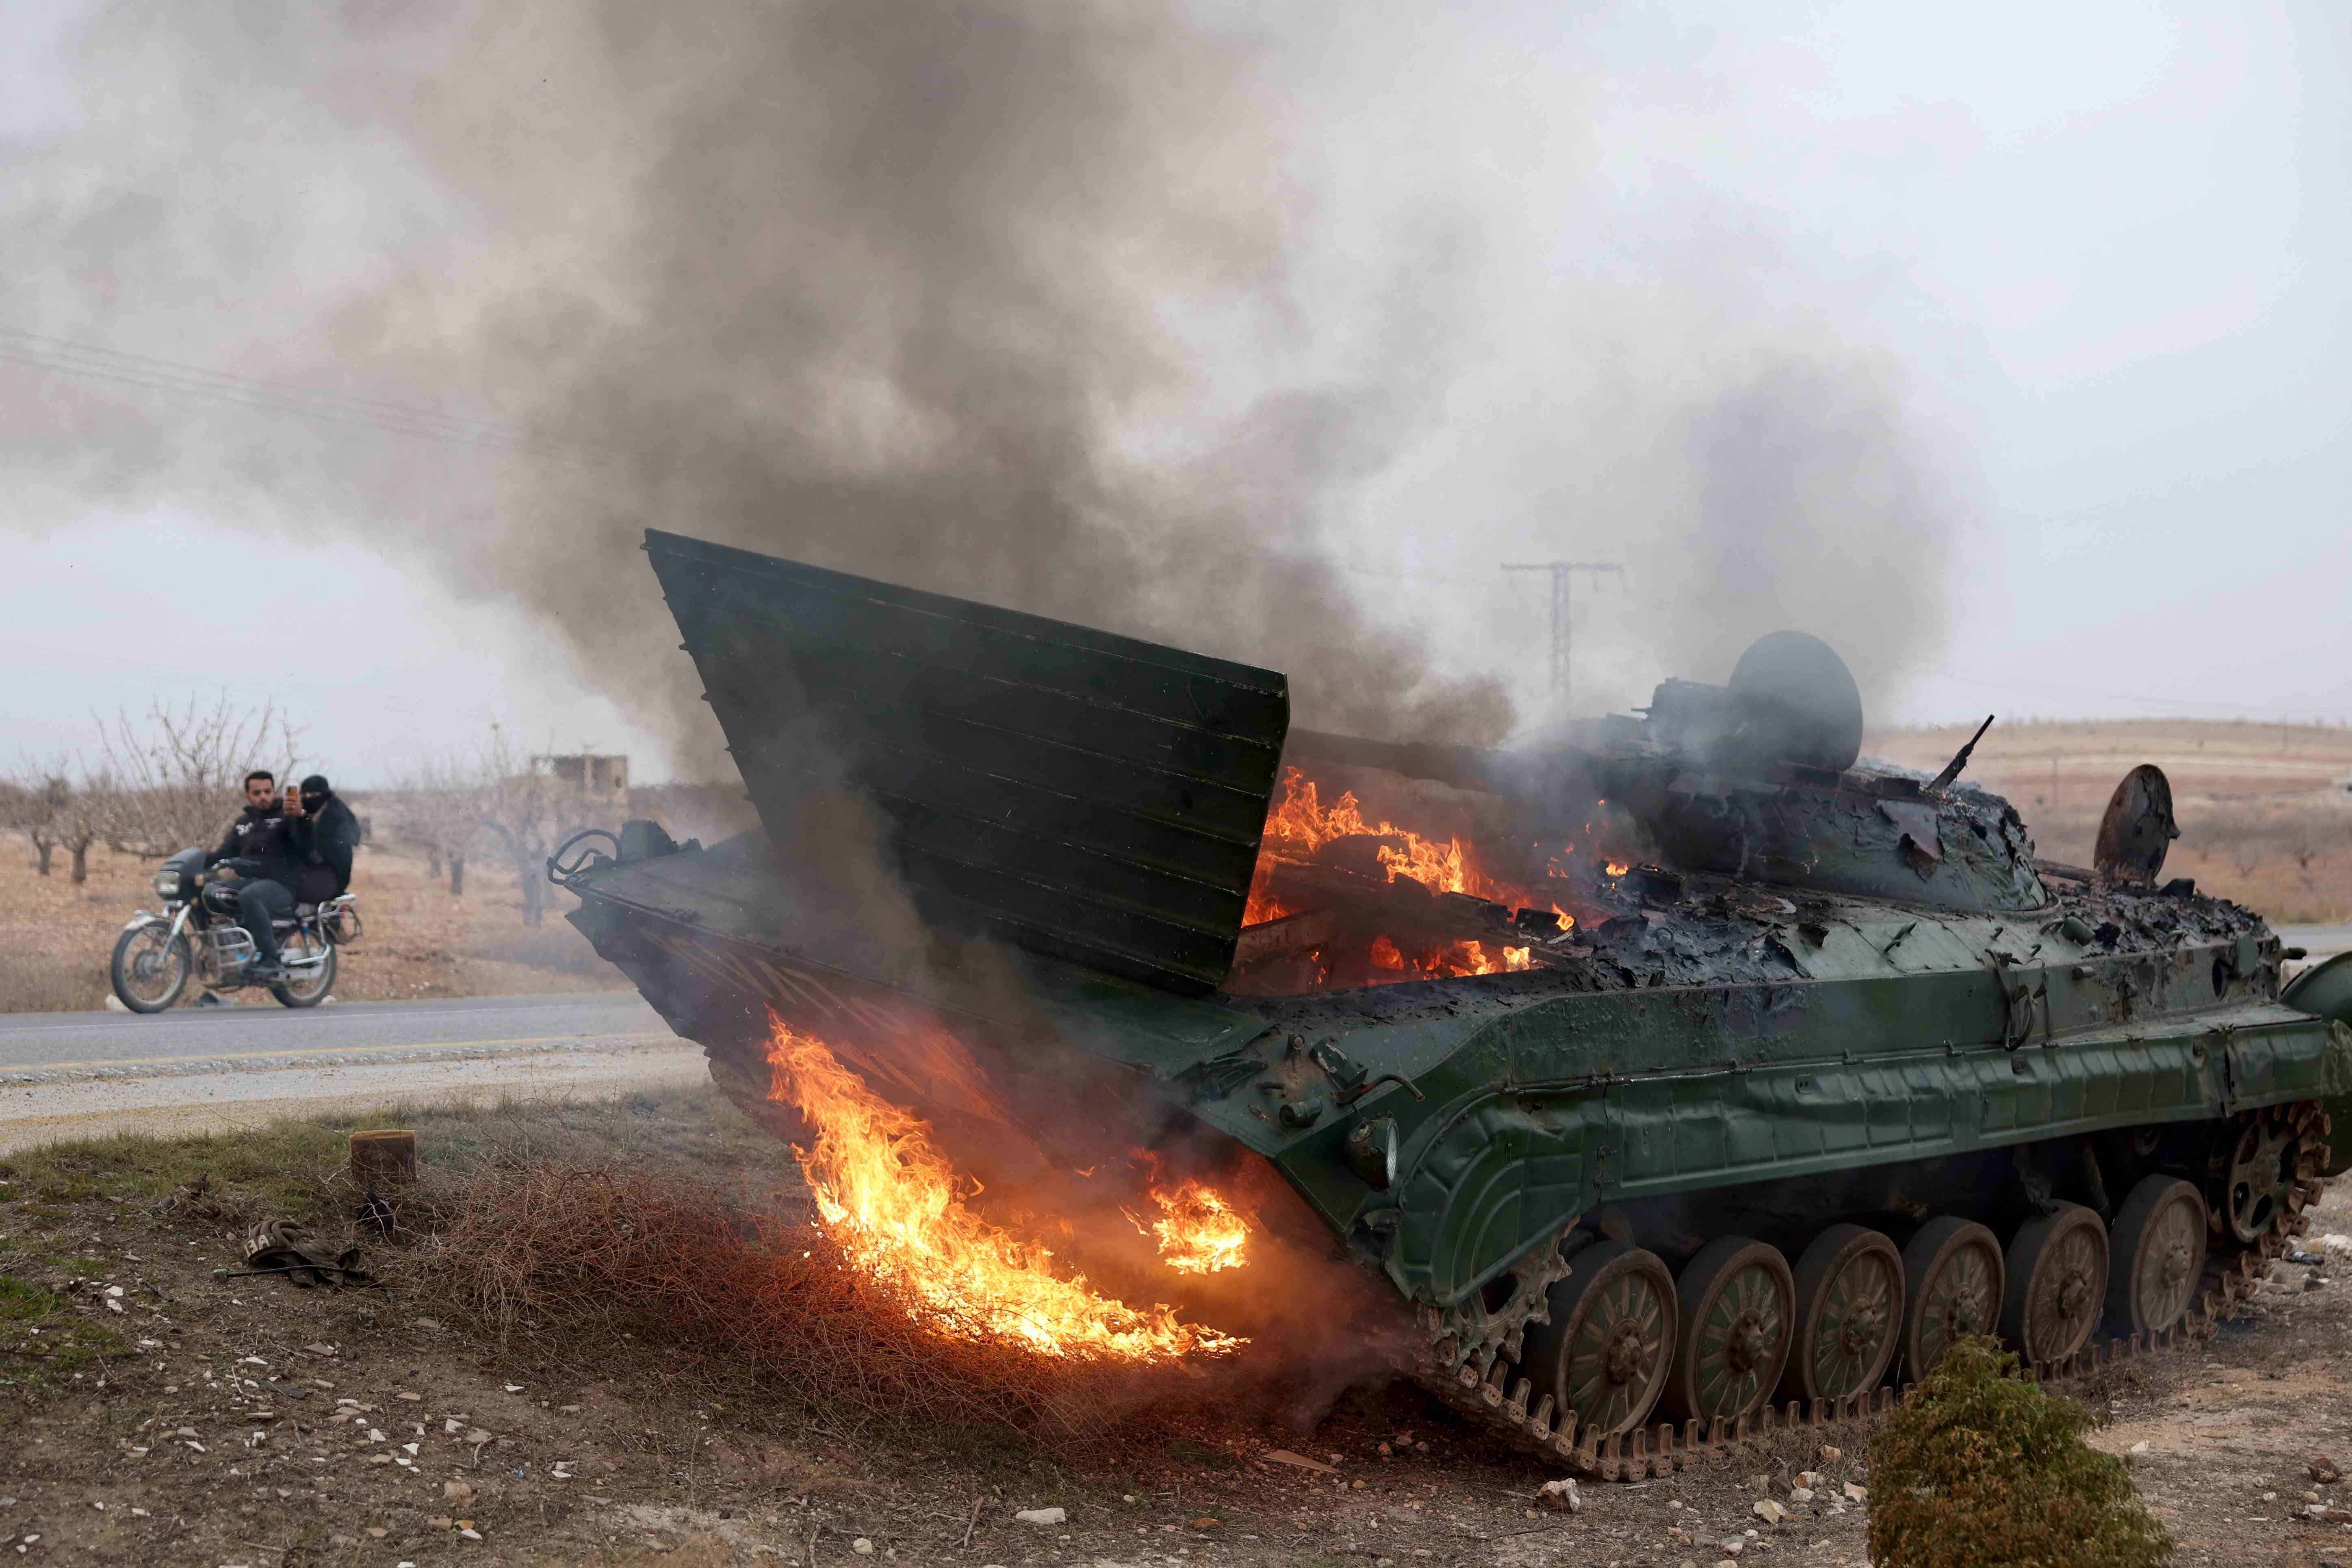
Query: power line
(93, 361)
(65, 357)
(1563, 611)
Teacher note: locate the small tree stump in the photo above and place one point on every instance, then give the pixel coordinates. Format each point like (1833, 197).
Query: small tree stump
(383, 1159)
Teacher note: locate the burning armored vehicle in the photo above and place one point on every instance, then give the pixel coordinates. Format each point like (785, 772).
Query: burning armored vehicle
(1701, 1081)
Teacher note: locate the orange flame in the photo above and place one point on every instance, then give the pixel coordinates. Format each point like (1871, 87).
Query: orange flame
(897, 1206)
(1302, 825)
(1263, 905)
(1390, 964)
(1198, 1232)
(1617, 867)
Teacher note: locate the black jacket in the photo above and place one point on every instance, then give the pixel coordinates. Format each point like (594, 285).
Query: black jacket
(321, 844)
(254, 834)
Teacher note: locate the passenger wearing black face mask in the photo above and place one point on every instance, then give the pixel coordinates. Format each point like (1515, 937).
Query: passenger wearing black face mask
(321, 838)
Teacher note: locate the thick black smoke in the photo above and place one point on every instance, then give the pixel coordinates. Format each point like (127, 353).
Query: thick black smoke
(1027, 301)
(918, 289)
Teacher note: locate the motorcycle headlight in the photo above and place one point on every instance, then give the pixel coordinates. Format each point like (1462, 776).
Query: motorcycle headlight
(167, 884)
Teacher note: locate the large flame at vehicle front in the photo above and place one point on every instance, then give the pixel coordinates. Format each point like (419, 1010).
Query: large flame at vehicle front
(896, 1203)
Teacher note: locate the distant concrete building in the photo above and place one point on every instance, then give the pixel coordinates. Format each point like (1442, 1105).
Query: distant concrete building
(588, 773)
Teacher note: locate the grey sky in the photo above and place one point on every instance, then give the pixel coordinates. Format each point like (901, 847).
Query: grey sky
(2095, 259)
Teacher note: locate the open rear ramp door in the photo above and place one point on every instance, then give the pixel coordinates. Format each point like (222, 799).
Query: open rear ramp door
(1090, 797)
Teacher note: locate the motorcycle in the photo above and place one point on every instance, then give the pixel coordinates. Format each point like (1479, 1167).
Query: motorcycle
(198, 935)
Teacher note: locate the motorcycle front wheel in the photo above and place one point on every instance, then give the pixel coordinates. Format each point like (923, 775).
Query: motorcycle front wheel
(150, 968)
(313, 984)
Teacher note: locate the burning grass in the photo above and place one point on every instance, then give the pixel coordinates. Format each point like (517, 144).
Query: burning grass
(868, 1297)
(661, 1234)
(623, 1262)
(1198, 1231)
(894, 1204)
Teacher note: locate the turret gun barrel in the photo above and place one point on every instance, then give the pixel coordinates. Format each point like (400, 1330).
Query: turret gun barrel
(1959, 759)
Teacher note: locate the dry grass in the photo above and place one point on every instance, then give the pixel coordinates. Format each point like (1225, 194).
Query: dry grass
(663, 1229)
(295, 1168)
(2263, 817)
(33, 982)
(627, 1260)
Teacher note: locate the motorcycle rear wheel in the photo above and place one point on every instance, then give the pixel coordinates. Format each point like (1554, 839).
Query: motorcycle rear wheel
(316, 984)
(150, 968)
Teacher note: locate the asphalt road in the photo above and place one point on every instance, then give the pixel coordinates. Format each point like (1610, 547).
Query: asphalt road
(74, 1075)
(125, 1042)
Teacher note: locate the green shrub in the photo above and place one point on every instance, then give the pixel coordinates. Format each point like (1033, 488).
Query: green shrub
(1980, 1470)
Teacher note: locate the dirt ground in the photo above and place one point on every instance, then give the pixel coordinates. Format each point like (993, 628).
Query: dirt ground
(153, 1414)
(2264, 814)
(56, 936)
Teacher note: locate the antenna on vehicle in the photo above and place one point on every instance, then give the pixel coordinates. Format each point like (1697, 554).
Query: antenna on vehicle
(1960, 758)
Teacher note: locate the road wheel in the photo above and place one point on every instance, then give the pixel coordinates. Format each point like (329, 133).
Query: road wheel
(2256, 1172)
(312, 986)
(1952, 1279)
(1849, 1315)
(1739, 1307)
(2156, 1257)
(150, 968)
(1610, 1343)
(2057, 1284)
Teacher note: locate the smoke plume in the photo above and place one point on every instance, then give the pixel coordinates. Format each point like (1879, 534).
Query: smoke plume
(1074, 307)
(1813, 506)
(915, 291)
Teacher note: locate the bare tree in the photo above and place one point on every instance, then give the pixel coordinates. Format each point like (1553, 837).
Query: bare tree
(35, 800)
(59, 805)
(438, 808)
(524, 810)
(500, 801)
(86, 816)
(175, 774)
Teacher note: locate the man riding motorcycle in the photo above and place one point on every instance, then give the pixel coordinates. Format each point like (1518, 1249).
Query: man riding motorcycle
(285, 859)
(262, 811)
(258, 848)
(297, 850)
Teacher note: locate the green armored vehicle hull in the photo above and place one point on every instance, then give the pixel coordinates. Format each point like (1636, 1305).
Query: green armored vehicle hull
(1744, 1127)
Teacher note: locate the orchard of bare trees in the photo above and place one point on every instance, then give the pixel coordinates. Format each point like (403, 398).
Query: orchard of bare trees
(155, 785)
(170, 779)
(496, 805)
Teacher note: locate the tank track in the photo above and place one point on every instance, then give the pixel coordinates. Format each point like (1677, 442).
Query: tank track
(1477, 1384)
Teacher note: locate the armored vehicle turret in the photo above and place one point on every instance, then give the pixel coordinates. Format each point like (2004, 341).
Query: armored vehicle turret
(1684, 1077)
